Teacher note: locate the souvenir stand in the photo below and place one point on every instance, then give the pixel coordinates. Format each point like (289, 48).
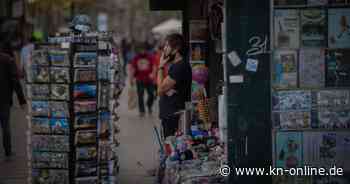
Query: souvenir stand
(74, 84)
(310, 87)
(196, 152)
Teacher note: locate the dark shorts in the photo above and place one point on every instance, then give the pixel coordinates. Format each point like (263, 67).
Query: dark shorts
(170, 125)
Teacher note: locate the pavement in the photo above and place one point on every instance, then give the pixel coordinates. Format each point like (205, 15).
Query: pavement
(138, 151)
(15, 171)
(138, 145)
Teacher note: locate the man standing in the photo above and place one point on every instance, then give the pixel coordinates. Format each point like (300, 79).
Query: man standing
(142, 71)
(9, 80)
(175, 89)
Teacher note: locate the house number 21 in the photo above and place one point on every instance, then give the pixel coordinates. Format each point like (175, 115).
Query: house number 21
(258, 46)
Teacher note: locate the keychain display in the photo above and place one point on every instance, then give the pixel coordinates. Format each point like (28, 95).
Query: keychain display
(50, 160)
(86, 153)
(38, 91)
(38, 74)
(85, 121)
(39, 108)
(85, 59)
(51, 176)
(84, 106)
(59, 109)
(59, 126)
(39, 57)
(83, 137)
(50, 143)
(40, 125)
(59, 92)
(103, 95)
(86, 168)
(84, 75)
(84, 91)
(59, 75)
(59, 58)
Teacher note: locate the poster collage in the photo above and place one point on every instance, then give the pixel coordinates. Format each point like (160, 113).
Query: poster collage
(74, 86)
(311, 86)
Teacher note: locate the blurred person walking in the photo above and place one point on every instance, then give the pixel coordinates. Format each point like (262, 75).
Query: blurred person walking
(9, 80)
(174, 90)
(25, 54)
(142, 72)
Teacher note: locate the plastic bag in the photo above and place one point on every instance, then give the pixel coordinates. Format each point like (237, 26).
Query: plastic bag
(132, 95)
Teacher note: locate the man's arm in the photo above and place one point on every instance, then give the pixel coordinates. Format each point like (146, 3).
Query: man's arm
(164, 85)
(16, 83)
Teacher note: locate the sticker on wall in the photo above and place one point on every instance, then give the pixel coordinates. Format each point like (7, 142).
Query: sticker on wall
(236, 79)
(234, 59)
(252, 65)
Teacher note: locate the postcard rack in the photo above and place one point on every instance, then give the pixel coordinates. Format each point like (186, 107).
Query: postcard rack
(74, 84)
(310, 87)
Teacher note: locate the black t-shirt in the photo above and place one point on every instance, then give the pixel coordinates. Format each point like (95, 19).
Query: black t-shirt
(181, 72)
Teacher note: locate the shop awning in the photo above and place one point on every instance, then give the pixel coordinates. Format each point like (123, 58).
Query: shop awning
(167, 27)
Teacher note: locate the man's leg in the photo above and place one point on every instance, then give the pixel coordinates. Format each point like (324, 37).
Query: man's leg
(140, 93)
(170, 125)
(6, 132)
(150, 98)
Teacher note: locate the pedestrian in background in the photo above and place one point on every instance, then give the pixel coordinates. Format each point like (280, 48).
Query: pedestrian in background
(9, 80)
(25, 54)
(141, 74)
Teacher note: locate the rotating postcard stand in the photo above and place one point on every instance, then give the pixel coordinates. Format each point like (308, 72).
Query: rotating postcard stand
(73, 110)
(47, 87)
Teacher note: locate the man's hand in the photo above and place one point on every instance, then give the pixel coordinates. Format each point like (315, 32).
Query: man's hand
(163, 60)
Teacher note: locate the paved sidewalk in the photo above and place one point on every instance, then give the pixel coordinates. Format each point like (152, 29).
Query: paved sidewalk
(15, 171)
(138, 145)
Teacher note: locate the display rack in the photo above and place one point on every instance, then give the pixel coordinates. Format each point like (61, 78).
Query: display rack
(83, 84)
(310, 88)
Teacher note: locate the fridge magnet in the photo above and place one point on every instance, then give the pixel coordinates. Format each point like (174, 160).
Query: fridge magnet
(38, 91)
(59, 109)
(39, 57)
(85, 106)
(40, 108)
(83, 137)
(84, 91)
(339, 28)
(85, 121)
(59, 126)
(59, 75)
(84, 75)
(59, 92)
(85, 59)
(86, 153)
(40, 125)
(59, 58)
